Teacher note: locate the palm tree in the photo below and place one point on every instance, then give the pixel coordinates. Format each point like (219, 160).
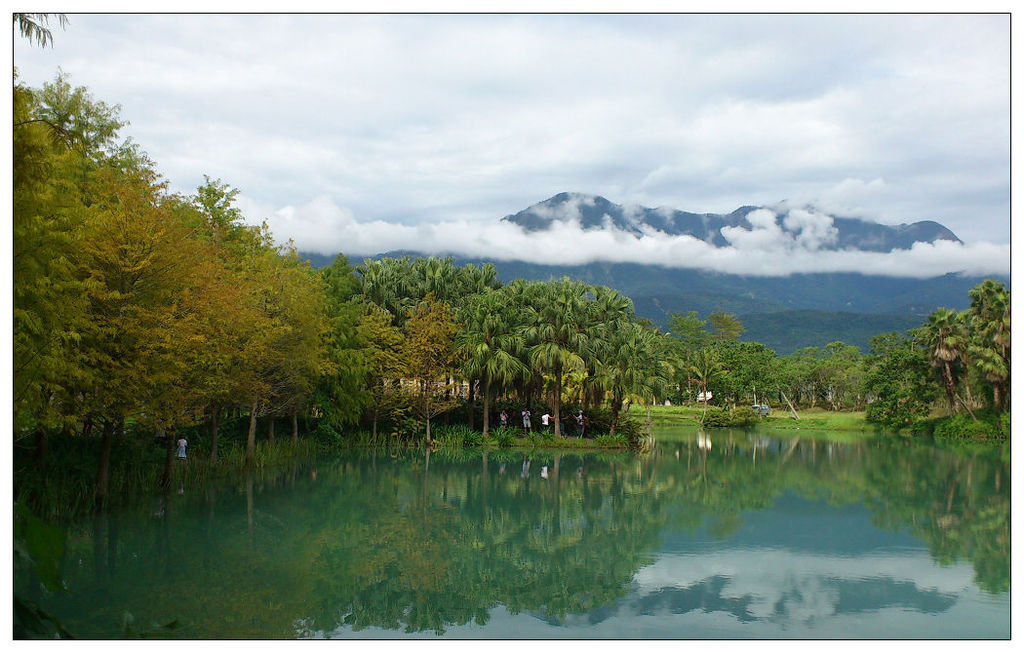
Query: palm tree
(989, 321)
(556, 324)
(634, 366)
(31, 27)
(706, 369)
(388, 284)
(939, 336)
(490, 344)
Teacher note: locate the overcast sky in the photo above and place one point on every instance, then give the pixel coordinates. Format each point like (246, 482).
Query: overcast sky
(356, 132)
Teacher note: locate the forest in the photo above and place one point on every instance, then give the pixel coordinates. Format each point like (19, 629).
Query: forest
(141, 314)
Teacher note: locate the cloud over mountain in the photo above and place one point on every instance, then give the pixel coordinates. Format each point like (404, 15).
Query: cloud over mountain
(765, 242)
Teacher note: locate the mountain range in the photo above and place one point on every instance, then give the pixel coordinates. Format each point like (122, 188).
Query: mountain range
(784, 313)
(595, 212)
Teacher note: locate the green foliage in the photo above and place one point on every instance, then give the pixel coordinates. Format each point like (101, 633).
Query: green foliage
(601, 424)
(503, 437)
(898, 378)
(617, 441)
(457, 435)
(740, 416)
(963, 426)
(31, 27)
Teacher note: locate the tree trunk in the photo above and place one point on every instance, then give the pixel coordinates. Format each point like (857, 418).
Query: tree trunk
(39, 455)
(947, 378)
(87, 427)
(214, 425)
(165, 478)
(295, 425)
(487, 396)
(616, 407)
(250, 443)
(103, 468)
(470, 404)
(793, 410)
(558, 401)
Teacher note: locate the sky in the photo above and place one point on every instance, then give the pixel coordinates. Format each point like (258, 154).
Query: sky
(370, 133)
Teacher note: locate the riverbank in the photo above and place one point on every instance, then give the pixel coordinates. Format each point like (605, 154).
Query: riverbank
(814, 418)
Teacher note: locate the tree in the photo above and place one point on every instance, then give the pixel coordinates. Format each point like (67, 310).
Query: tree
(897, 380)
(751, 366)
(705, 369)
(937, 335)
(490, 344)
(989, 346)
(341, 389)
(725, 326)
(430, 354)
(31, 27)
(556, 327)
(634, 365)
(385, 365)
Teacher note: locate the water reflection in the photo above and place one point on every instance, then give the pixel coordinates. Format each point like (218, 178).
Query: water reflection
(775, 536)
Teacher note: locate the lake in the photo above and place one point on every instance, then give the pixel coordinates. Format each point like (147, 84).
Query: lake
(709, 535)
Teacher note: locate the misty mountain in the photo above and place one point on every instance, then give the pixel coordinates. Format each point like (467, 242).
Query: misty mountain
(594, 212)
(785, 313)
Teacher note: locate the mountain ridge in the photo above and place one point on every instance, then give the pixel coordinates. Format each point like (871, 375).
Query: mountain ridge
(784, 312)
(830, 232)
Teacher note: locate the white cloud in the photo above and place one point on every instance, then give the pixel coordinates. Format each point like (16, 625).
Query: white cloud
(434, 118)
(764, 250)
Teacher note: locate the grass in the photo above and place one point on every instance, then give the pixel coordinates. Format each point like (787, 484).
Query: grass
(813, 418)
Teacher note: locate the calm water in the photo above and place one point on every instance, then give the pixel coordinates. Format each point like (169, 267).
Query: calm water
(730, 535)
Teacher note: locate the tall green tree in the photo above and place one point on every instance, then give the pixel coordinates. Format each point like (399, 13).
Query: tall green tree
(634, 365)
(557, 330)
(938, 336)
(342, 389)
(898, 381)
(429, 351)
(386, 366)
(989, 321)
(490, 345)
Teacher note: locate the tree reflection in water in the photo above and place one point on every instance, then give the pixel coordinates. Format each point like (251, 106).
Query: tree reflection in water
(415, 542)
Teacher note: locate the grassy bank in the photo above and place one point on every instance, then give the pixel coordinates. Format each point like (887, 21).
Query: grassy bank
(815, 418)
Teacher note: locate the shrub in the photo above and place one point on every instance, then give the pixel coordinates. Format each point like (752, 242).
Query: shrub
(505, 437)
(740, 416)
(963, 425)
(456, 435)
(601, 423)
(617, 440)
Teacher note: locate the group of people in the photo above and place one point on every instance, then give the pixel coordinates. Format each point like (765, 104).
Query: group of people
(547, 421)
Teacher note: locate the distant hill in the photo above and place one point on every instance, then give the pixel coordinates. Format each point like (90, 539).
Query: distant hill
(595, 212)
(788, 331)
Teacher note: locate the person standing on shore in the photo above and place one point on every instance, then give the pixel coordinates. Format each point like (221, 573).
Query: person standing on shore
(182, 445)
(526, 421)
(579, 424)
